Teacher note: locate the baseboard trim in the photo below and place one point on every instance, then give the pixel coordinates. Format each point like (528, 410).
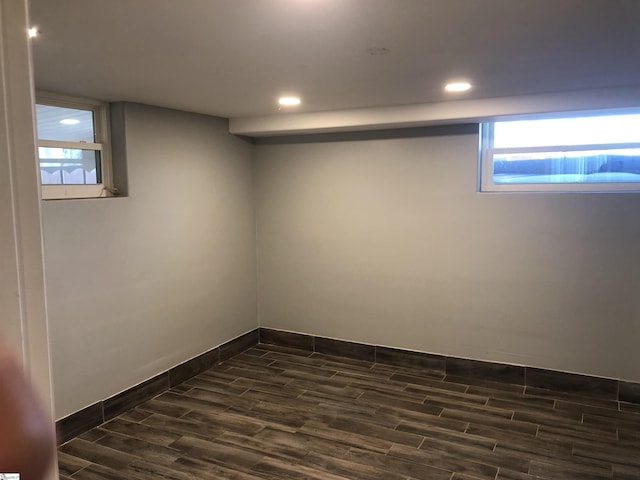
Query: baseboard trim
(533, 380)
(100, 412)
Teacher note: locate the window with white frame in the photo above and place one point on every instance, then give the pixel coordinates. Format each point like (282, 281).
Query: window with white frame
(73, 147)
(580, 153)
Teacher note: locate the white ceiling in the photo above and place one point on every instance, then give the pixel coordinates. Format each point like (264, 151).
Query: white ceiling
(233, 58)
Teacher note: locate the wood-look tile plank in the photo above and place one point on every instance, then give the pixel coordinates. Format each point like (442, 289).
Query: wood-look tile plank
(530, 404)
(93, 434)
(377, 431)
(517, 396)
(480, 455)
(609, 453)
(226, 455)
(574, 433)
(486, 410)
(541, 392)
(206, 400)
(413, 470)
(442, 434)
(419, 419)
(547, 456)
(299, 443)
(630, 407)
(212, 385)
(436, 393)
(100, 472)
(226, 421)
(343, 361)
(492, 421)
(567, 470)
(182, 427)
(254, 360)
(139, 448)
(311, 360)
(135, 415)
(95, 453)
(346, 438)
(262, 374)
(349, 469)
(444, 460)
(146, 470)
(428, 381)
(610, 421)
(273, 416)
(162, 408)
(277, 469)
(375, 418)
(506, 474)
(625, 472)
(479, 382)
(387, 399)
(203, 470)
(274, 413)
(392, 370)
(69, 464)
(256, 351)
(632, 417)
(559, 418)
(156, 436)
(293, 414)
(519, 443)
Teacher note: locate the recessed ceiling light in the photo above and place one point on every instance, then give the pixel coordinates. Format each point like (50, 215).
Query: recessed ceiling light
(289, 101)
(33, 32)
(457, 86)
(70, 121)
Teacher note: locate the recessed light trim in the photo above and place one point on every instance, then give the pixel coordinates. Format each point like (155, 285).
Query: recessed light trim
(33, 32)
(457, 86)
(70, 121)
(289, 101)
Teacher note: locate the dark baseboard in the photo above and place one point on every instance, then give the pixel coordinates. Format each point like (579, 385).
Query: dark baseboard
(103, 411)
(532, 379)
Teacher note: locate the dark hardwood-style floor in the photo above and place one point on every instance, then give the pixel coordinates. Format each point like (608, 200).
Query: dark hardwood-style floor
(277, 413)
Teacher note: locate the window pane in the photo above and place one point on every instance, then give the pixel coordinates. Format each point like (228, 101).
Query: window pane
(620, 165)
(593, 130)
(69, 166)
(65, 124)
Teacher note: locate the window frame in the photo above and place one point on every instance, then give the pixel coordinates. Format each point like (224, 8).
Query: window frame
(102, 144)
(487, 151)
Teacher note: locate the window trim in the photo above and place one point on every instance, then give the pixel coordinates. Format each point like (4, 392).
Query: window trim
(102, 144)
(487, 151)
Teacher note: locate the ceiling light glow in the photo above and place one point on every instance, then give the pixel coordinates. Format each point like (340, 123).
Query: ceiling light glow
(32, 32)
(70, 121)
(289, 101)
(457, 86)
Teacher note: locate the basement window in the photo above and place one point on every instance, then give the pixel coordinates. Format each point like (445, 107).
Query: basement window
(73, 147)
(588, 153)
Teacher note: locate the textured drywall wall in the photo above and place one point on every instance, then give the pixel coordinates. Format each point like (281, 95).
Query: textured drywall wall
(139, 284)
(387, 241)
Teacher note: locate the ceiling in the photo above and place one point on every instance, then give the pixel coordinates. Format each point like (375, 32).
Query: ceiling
(234, 58)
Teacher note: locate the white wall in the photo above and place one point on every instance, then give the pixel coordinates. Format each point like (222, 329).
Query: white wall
(137, 285)
(387, 242)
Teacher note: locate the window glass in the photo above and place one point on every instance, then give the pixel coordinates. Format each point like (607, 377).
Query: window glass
(73, 147)
(65, 124)
(585, 153)
(68, 166)
(567, 131)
